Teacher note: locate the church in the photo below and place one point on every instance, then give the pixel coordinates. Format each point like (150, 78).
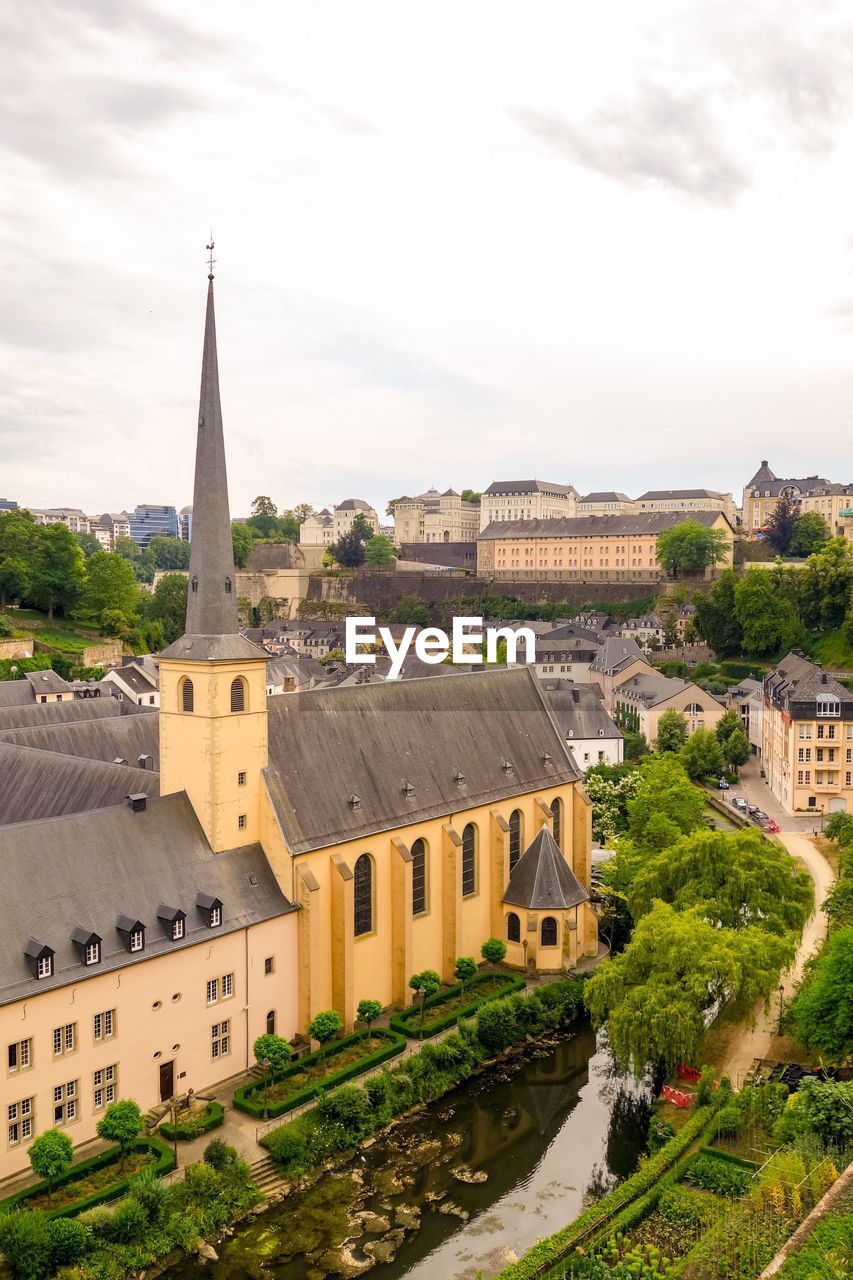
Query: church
(284, 856)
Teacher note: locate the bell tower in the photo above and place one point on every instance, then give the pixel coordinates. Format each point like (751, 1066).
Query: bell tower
(213, 713)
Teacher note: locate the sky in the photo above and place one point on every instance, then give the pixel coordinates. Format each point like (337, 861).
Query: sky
(608, 245)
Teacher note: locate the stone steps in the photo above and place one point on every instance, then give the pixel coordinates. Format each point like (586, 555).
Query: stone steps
(266, 1177)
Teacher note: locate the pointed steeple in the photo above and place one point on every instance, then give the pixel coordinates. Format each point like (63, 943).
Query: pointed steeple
(211, 626)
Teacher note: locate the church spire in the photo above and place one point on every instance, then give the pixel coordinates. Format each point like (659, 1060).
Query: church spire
(211, 626)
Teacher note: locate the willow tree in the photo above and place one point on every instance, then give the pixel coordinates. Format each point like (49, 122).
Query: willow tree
(677, 973)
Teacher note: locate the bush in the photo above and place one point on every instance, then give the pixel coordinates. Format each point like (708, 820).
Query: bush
(705, 1087)
(684, 1208)
(202, 1184)
(129, 1222)
(729, 1122)
(219, 1155)
(493, 950)
(192, 1126)
(148, 1190)
(287, 1145)
(97, 1220)
(26, 1244)
(496, 1025)
(349, 1107)
(408, 1021)
(69, 1241)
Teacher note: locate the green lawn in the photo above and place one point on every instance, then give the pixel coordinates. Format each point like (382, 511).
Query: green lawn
(57, 633)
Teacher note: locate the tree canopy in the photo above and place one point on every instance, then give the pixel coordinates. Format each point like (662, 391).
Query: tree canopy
(822, 1010)
(672, 732)
(690, 547)
(380, 551)
(702, 755)
(780, 524)
(350, 550)
(809, 534)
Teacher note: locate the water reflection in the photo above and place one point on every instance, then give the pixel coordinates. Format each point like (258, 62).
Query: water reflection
(466, 1186)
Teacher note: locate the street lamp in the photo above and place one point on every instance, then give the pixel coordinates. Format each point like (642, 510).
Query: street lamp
(524, 945)
(174, 1109)
(421, 994)
(265, 1067)
(781, 1008)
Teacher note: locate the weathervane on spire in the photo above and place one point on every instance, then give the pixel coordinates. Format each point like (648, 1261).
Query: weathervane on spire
(211, 260)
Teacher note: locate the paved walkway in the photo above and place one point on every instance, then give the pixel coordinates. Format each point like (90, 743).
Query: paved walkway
(758, 1042)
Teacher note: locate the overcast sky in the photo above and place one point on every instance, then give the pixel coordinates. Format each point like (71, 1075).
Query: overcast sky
(461, 240)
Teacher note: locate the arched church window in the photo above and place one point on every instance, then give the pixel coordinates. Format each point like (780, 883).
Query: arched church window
(469, 860)
(363, 895)
(515, 830)
(187, 695)
(513, 928)
(419, 874)
(271, 1022)
(548, 932)
(557, 820)
(238, 694)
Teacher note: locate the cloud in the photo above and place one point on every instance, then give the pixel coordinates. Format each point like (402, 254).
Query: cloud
(657, 136)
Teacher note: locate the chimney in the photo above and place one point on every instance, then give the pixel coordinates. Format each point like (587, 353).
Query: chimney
(145, 762)
(576, 695)
(137, 802)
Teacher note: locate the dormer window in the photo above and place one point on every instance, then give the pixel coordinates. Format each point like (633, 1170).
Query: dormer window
(211, 909)
(88, 944)
(40, 958)
(173, 920)
(132, 932)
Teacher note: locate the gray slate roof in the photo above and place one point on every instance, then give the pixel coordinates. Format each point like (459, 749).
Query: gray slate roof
(659, 495)
(373, 738)
(353, 504)
(21, 717)
(644, 522)
(797, 681)
(542, 880)
(108, 739)
(528, 486)
(617, 652)
(652, 690)
(762, 475)
(41, 784)
(16, 693)
(578, 710)
(608, 495)
(47, 682)
(85, 871)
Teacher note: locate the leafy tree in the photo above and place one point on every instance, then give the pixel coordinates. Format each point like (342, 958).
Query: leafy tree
(19, 535)
(50, 1157)
(470, 495)
(779, 528)
(89, 543)
(702, 755)
(665, 806)
(716, 621)
(727, 725)
(122, 1124)
(736, 748)
(242, 542)
(827, 584)
(323, 1028)
(329, 555)
(272, 1049)
(6, 626)
(389, 510)
(610, 789)
(168, 605)
(634, 746)
(368, 1011)
(822, 1011)
(493, 951)
(14, 579)
(656, 995)
(380, 551)
(264, 518)
(689, 547)
(25, 1240)
(735, 879)
(466, 969)
(768, 622)
(427, 981)
(59, 576)
(839, 902)
(128, 548)
(111, 586)
(809, 534)
(263, 506)
(350, 550)
(169, 553)
(672, 732)
(362, 527)
(412, 611)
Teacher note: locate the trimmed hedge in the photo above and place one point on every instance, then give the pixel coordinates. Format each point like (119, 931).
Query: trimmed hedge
(402, 1022)
(187, 1131)
(548, 1252)
(730, 1156)
(164, 1164)
(249, 1097)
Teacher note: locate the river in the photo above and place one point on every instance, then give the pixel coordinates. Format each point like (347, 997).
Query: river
(462, 1187)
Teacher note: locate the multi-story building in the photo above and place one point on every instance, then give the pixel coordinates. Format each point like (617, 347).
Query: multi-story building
(640, 701)
(591, 734)
(77, 520)
(831, 501)
(185, 524)
(605, 503)
(147, 939)
(148, 521)
(807, 737)
(318, 529)
(435, 517)
(619, 659)
(116, 524)
(589, 547)
(687, 500)
(6, 504)
(347, 512)
(743, 697)
(527, 500)
(764, 490)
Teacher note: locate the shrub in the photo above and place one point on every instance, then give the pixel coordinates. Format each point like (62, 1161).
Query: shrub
(496, 1026)
(349, 1107)
(368, 1011)
(129, 1222)
(684, 1207)
(705, 1087)
(465, 970)
(729, 1121)
(408, 1021)
(148, 1190)
(121, 1123)
(324, 1027)
(196, 1123)
(69, 1239)
(493, 950)
(287, 1145)
(98, 1220)
(427, 980)
(202, 1184)
(272, 1049)
(50, 1157)
(219, 1155)
(26, 1245)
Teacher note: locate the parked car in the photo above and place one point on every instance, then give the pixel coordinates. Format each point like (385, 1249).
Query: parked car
(773, 825)
(722, 785)
(740, 803)
(752, 810)
(761, 817)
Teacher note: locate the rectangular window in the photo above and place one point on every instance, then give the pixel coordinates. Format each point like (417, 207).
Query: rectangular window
(848, 778)
(241, 821)
(177, 929)
(44, 968)
(821, 730)
(819, 755)
(103, 1025)
(93, 952)
(212, 990)
(269, 966)
(800, 777)
(220, 1039)
(137, 940)
(105, 1085)
(64, 1039)
(215, 917)
(19, 1117)
(241, 779)
(227, 986)
(65, 1103)
(20, 1055)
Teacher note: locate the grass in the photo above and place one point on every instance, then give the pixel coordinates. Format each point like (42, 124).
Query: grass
(284, 1089)
(460, 1001)
(831, 648)
(57, 633)
(82, 1188)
